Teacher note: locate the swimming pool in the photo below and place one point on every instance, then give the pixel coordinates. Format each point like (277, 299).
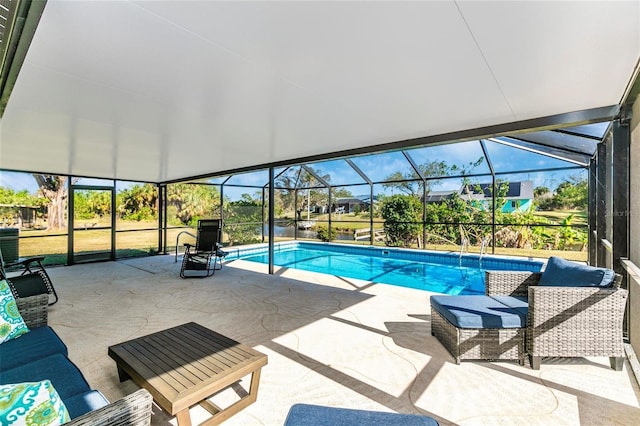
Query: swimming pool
(439, 272)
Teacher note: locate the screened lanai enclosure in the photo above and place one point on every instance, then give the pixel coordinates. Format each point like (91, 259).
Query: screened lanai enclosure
(352, 136)
(498, 195)
(524, 194)
(479, 127)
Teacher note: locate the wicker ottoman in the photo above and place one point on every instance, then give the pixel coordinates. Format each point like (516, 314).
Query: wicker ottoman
(480, 327)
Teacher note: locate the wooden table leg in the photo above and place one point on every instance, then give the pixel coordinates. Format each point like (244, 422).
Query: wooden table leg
(234, 408)
(122, 375)
(255, 382)
(183, 417)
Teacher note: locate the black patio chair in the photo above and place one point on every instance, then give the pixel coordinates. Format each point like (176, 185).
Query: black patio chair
(205, 258)
(31, 278)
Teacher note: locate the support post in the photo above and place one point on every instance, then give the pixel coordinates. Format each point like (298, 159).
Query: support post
(112, 254)
(620, 213)
(70, 214)
(297, 218)
(592, 209)
(222, 211)
(330, 217)
(601, 207)
(262, 218)
(372, 238)
(272, 226)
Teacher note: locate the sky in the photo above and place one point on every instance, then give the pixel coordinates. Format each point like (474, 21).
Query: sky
(378, 166)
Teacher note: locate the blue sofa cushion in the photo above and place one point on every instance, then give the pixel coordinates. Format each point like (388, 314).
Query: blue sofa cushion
(84, 403)
(38, 343)
(563, 273)
(316, 415)
(478, 312)
(63, 374)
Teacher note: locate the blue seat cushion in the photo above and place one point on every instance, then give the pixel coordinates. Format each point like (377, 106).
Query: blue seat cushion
(63, 374)
(563, 273)
(85, 402)
(478, 312)
(38, 343)
(316, 415)
(517, 303)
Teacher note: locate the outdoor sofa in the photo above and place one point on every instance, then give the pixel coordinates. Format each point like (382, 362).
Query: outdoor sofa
(41, 355)
(569, 310)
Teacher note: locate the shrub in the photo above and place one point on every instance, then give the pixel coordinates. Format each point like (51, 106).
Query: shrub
(401, 214)
(323, 234)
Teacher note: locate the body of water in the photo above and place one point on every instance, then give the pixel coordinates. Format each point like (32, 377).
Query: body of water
(289, 231)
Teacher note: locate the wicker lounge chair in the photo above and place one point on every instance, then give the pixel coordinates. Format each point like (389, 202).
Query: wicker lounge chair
(566, 321)
(203, 259)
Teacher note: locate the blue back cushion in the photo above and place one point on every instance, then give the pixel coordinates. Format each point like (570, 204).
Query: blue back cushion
(563, 273)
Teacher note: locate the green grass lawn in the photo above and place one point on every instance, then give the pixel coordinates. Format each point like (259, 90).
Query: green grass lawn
(556, 217)
(142, 237)
(137, 239)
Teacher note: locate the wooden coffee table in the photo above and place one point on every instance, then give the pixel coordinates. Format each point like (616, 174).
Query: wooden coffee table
(186, 365)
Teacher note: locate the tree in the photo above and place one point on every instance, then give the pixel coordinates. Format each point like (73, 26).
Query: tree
(82, 205)
(401, 214)
(411, 183)
(284, 187)
(243, 219)
(19, 198)
(54, 189)
(540, 191)
(191, 201)
(140, 202)
(572, 193)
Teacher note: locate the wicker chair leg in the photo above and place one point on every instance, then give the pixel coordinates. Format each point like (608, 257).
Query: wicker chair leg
(534, 361)
(616, 363)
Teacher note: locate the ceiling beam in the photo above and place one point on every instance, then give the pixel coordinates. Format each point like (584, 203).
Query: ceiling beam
(22, 21)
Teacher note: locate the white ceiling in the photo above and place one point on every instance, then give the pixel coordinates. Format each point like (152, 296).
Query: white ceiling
(163, 90)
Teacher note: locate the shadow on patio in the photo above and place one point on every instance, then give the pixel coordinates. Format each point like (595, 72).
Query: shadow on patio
(330, 341)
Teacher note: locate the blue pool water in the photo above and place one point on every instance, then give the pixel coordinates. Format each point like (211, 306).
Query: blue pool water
(447, 273)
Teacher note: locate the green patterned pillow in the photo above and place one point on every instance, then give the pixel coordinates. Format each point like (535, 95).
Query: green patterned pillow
(35, 403)
(11, 322)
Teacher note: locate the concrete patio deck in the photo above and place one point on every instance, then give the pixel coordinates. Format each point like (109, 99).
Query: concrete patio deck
(330, 341)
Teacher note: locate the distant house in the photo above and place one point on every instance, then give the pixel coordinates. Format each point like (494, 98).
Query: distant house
(440, 196)
(17, 215)
(518, 197)
(348, 205)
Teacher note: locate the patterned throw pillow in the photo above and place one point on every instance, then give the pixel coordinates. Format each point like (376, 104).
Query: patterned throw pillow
(11, 322)
(35, 403)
